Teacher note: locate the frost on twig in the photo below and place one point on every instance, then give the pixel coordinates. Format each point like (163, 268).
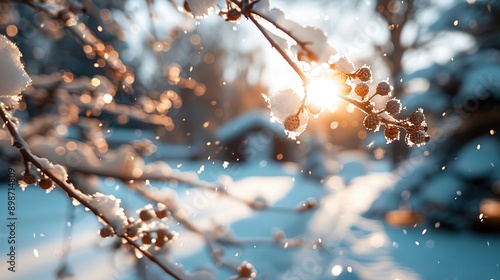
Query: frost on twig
(14, 77)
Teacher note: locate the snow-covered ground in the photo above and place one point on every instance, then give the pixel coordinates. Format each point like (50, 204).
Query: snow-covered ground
(351, 247)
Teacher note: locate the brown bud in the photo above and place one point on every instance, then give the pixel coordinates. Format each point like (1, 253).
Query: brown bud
(46, 183)
(28, 178)
(146, 239)
(391, 133)
(364, 74)
(383, 88)
(361, 90)
(246, 271)
(312, 203)
(393, 107)
(417, 117)
(372, 122)
(292, 123)
(146, 215)
(160, 240)
(105, 232)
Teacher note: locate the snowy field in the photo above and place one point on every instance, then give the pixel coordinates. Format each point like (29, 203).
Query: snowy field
(352, 247)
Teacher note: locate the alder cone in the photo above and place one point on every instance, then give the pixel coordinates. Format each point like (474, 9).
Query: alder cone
(364, 74)
(233, 15)
(186, 7)
(391, 133)
(292, 123)
(393, 107)
(417, 117)
(245, 271)
(161, 213)
(418, 137)
(28, 178)
(383, 88)
(160, 241)
(372, 122)
(145, 215)
(361, 89)
(105, 232)
(46, 183)
(146, 239)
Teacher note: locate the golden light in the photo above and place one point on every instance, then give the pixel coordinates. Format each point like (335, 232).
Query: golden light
(324, 91)
(108, 98)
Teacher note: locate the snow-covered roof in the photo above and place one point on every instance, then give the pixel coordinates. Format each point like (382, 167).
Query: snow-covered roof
(247, 122)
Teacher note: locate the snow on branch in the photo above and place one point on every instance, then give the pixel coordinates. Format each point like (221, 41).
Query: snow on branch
(47, 175)
(310, 44)
(15, 79)
(324, 73)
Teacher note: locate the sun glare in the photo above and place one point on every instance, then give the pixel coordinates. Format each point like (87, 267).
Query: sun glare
(323, 91)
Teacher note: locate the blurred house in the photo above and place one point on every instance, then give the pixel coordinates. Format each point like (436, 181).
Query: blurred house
(250, 137)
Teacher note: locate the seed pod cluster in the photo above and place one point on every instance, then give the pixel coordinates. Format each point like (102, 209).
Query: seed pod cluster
(414, 125)
(159, 237)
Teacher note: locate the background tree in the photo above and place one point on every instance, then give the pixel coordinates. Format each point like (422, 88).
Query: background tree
(454, 179)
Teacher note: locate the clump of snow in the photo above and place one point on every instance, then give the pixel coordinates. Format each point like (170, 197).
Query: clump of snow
(311, 44)
(343, 65)
(13, 77)
(122, 162)
(109, 207)
(57, 170)
(168, 197)
(284, 104)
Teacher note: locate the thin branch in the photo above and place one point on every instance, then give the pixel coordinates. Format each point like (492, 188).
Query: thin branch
(288, 59)
(287, 32)
(70, 190)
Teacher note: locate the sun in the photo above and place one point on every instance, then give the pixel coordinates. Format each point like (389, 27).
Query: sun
(324, 89)
(323, 92)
